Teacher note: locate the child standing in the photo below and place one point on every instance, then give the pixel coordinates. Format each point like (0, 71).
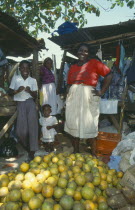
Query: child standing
(24, 89)
(48, 123)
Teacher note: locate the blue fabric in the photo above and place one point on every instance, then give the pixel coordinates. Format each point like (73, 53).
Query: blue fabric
(66, 28)
(122, 56)
(114, 162)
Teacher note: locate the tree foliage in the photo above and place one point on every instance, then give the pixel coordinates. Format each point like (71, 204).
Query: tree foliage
(41, 15)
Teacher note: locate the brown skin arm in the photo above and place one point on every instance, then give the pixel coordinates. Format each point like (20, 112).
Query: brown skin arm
(14, 92)
(32, 93)
(106, 83)
(53, 126)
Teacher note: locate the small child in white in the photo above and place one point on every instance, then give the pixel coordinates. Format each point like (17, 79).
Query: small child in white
(49, 124)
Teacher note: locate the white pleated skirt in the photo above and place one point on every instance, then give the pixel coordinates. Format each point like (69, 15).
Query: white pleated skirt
(82, 112)
(49, 96)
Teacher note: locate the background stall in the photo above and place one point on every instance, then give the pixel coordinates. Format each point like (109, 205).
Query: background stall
(15, 41)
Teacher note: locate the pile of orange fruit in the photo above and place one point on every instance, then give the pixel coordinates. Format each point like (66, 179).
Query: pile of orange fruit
(59, 182)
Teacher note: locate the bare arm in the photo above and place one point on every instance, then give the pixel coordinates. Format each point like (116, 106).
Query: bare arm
(106, 83)
(13, 92)
(32, 93)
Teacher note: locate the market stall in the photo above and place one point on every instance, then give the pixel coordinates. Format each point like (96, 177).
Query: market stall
(15, 41)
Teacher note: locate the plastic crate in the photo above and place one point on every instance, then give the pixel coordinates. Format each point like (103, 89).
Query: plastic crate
(106, 142)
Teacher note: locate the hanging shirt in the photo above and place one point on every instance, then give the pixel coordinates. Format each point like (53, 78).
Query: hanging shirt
(88, 73)
(47, 75)
(18, 81)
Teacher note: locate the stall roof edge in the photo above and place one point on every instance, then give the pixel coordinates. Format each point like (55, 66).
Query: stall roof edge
(106, 35)
(12, 33)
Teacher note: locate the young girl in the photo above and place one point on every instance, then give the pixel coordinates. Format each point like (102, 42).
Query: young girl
(48, 123)
(48, 89)
(24, 89)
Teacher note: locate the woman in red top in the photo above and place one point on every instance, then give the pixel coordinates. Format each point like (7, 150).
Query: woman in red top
(82, 103)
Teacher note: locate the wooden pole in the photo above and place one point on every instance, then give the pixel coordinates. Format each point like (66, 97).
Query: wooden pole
(8, 124)
(35, 70)
(60, 77)
(123, 106)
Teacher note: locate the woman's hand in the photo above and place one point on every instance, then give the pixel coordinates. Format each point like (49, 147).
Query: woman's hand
(97, 93)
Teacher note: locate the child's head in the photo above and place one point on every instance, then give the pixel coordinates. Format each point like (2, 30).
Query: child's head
(24, 68)
(46, 110)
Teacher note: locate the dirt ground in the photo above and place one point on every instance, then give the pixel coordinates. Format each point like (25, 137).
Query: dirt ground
(62, 144)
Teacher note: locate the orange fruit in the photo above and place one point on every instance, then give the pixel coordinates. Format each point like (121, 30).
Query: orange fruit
(89, 205)
(19, 177)
(86, 168)
(57, 207)
(29, 175)
(47, 191)
(26, 184)
(37, 159)
(78, 163)
(95, 198)
(35, 203)
(80, 180)
(78, 206)
(119, 174)
(109, 178)
(76, 169)
(55, 159)
(47, 173)
(103, 185)
(27, 194)
(77, 196)
(89, 184)
(3, 191)
(37, 187)
(70, 173)
(4, 182)
(68, 161)
(103, 176)
(47, 206)
(15, 185)
(62, 182)
(72, 156)
(96, 181)
(41, 177)
(66, 202)
(15, 195)
(64, 175)
(58, 192)
(47, 159)
(62, 168)
(39, 195)
(70, 191)
(52, 181)
(89, 177)
(54, 171)
(35, 170)
(24, 167)
(103, 206)
(60, 162)
(72, 184)
(11, 205)
(87, 193)
(101, 199)
(25, 207)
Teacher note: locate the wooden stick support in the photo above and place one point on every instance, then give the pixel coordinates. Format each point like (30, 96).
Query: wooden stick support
(8, 124)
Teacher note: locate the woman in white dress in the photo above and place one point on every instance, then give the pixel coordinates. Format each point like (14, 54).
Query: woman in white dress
(48, 89)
